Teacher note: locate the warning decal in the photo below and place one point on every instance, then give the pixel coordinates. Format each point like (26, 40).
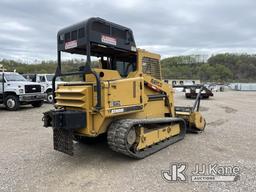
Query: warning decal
(71, 44)
(108, 40)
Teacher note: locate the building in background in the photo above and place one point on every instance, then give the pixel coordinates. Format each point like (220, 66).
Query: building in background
(243, 86)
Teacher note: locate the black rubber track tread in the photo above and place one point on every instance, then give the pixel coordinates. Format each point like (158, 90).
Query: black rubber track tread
(119, 129)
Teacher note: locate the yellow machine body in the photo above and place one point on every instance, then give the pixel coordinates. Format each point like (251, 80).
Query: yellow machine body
(125, 97)
(137, 111)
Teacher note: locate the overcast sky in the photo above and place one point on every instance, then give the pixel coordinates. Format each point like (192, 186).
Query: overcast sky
(176, 27)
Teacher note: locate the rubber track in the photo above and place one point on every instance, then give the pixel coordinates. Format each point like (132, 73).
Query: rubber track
(119, 129)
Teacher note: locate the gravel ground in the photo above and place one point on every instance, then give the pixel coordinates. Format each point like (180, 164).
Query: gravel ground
(28, 162)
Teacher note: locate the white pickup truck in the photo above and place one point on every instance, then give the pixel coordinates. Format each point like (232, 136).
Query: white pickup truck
(15, 90)
(46, 81)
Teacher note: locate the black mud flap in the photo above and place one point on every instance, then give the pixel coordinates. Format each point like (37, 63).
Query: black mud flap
(63, 140)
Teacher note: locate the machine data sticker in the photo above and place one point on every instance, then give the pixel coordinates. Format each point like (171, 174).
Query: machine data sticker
(117, 110)
(71, 44)
(108, 40)
(126, 109)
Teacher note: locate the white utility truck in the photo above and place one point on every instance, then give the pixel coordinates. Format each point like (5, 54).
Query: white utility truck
(46, 81)
(15, 90)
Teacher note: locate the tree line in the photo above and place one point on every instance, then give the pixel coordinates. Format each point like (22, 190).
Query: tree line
(217, 68)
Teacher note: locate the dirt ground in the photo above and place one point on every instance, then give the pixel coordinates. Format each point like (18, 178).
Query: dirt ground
(29, 163)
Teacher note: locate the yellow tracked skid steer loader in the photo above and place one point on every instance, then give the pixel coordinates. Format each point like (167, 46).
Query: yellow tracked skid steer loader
(122, 98)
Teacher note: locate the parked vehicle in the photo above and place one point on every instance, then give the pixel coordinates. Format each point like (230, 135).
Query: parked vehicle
(191, 91)
(15, 90)
(46, 81)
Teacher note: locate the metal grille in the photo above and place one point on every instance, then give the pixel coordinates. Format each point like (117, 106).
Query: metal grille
(152, 67)
(74, 35)
(32, 88)
(67, 37)
(76, 98)
(81, 33)
(101, 27)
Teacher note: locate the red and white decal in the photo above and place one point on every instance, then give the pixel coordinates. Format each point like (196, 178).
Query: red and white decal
(71, 44)
(153, 87)
(108, 40)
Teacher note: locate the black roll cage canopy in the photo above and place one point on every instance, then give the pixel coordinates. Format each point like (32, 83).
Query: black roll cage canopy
(93, 37)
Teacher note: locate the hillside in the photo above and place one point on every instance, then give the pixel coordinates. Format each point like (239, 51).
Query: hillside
(218, 68)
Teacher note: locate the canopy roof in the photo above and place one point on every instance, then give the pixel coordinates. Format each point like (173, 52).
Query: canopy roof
(103, 37)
